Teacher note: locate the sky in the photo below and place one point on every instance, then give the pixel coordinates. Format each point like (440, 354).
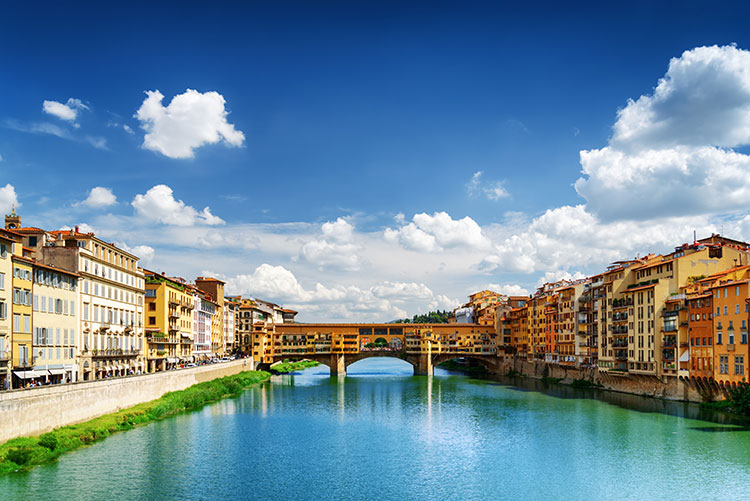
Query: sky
(373, 160)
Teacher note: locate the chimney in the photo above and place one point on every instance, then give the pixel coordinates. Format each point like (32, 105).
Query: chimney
(76, 228)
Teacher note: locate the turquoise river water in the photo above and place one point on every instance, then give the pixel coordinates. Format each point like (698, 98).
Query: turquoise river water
(383, 434)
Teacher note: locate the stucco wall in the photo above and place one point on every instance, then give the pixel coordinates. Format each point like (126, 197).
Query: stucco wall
(38, 410)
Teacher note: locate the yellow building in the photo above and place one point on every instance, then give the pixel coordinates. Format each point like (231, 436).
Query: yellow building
(169, 322)
(56, 322)
(22, 359)
(8, 242)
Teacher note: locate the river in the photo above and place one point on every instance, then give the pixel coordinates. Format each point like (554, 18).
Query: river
(382, 434)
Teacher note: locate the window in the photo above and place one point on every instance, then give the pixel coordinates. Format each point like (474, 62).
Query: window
(2, 280)
(726, 309)
(724, 364)
(27, 324)
(736, 290)
(151, 320)
(730, 337)
(726, 292)
(739, 365)
(737, 309)
(3, 312)
(718, 337)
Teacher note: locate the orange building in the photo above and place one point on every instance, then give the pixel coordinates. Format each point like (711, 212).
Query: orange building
(701, 334)
(730, 328)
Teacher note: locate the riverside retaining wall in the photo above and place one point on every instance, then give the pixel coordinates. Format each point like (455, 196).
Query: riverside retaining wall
(37, 410)
(669, 388)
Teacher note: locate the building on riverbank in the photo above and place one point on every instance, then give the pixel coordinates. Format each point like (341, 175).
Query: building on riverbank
(55, 324)
(169, 322)
(8, 243)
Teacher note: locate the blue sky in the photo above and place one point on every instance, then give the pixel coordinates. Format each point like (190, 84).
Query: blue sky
(377, 158)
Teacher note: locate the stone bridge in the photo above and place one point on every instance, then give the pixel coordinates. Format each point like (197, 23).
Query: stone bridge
(423, 363)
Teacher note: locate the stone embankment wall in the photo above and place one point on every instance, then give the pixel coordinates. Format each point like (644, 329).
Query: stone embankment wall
(38, 410)
(670, 388)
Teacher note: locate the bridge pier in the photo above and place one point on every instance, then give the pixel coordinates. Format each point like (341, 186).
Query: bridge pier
(423, 366)
(337, 365)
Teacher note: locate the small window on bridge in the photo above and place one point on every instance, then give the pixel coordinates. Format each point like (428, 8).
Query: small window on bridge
(397, 331)
(365, 331)
(381, 331)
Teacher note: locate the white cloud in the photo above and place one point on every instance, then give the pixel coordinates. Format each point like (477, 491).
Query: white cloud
(570, 236)
(159, 204)
(128, 129)
(670, 150)
(382, 301)
(336, 248)
(8, 199)
(553, 276)
(507, 289)
(435, 233)
(99, 197)
(191, 120)
(56, 130)
(144, 252)
(68, 111)
(493, 190)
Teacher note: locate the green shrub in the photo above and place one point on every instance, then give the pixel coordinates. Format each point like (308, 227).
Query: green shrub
(739, 398)
(48, 440)
(19, 455)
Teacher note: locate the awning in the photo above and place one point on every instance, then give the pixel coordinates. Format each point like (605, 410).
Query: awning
(685, 357)
(27, 374)
(108, 369)
(56, 372)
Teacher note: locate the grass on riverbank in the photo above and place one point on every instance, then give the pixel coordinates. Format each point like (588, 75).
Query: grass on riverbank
(286, 367)
(21, 454)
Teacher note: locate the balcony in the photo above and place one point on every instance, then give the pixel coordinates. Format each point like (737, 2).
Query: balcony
(730, 347)
(670, 328)
(669, 342)
(114, 353)
(621, 303)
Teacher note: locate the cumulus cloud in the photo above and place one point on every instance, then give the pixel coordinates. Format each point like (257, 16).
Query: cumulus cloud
(570, 236)
(8, 199)
(99, 197)
(67, 111)
(507, 289)
(335, 248)
(670, 152)
(159, 204)
(191, 120)
(434, 233)
(144, 252)
(493, 190)
(385, 300)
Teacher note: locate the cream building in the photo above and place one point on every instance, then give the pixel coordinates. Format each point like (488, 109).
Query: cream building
(56, 324)
(111, 297)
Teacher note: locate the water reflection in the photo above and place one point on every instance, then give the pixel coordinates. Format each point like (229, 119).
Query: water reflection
(400, 437)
